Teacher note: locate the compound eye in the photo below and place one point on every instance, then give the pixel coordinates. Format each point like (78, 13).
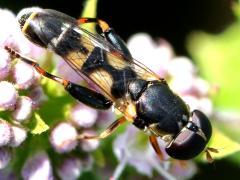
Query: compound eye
(202, 122)
(193, 138)
(186, 145)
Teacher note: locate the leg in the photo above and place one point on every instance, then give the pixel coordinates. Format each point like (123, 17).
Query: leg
(107, 131)
(110, 35)
(83, 94)
(156, 147)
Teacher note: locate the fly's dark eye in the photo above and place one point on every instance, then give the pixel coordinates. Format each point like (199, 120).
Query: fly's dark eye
(202, 122)
(186, 145)
(191, 141)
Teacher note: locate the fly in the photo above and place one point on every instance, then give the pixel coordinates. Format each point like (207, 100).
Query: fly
(143, 98)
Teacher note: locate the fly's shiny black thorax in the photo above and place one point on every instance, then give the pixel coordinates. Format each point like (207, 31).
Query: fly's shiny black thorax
(157, 105)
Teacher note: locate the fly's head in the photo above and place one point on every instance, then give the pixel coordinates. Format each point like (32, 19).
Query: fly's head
(192, 139)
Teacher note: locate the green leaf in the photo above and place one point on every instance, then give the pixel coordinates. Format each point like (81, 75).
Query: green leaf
(99, 158)
(236, 9)
(53, 88)
(218, 57)
(90, 10)
(223, 144)
(37, 125)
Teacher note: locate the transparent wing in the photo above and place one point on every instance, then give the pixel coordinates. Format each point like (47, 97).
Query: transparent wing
(76, 47)
(114, 57)
(140, 68)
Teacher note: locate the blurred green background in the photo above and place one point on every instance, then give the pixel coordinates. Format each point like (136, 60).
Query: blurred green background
(206, 30)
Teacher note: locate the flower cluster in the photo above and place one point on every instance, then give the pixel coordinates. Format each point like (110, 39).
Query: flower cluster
(19, 87)
(83, 121)
(64, 139)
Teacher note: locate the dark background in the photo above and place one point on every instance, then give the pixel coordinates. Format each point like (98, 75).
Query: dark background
(172, 20)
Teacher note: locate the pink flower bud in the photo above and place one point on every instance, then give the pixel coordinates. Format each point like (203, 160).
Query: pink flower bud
(37, 95)
(179, 66)
(5, 133)
(8, 95)
(182, 84)
(63, 137)
(24, 75)
(84, 116)
(201, 87)
(70, 169)
(153, 55)
(23, 109)
(37, 167)
(18, 135)
(191, 101)
(5, 157)
(4, 63)
(205, 105)
(10, 26)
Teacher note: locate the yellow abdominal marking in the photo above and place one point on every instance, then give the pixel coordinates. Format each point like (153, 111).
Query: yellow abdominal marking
(116, 61)
(31, 17)
(77, 59)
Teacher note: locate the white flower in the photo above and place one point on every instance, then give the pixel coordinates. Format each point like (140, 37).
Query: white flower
(23, 109)
(153, 55)
(84, 116)
(63, 137)
(70, 169)
(5, 157)
(18, 135)
(5, 133)
(8, 95)
(24, 75)
(37, 167)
